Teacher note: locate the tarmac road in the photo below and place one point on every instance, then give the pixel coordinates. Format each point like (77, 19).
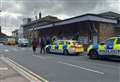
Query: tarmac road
(60, 68)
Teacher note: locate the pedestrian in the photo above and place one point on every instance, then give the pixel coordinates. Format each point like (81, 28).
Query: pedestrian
(48, 41)
(42, 45)
(34, 45)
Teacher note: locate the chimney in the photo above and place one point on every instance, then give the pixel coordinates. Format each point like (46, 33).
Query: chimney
(40, 15)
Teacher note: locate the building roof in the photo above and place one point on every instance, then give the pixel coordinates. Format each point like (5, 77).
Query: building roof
(15, 31)
(82, 18)
(110, 14)
(2, 36)
(44, 20)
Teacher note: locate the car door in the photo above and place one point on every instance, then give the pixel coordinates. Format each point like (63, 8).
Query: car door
(54, 47)
(117, 47)
(60, 47)
(109, 47)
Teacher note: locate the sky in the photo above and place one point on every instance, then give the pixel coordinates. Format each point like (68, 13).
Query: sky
(13, 11)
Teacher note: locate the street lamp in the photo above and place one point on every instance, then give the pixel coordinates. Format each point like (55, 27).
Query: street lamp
(34, 25)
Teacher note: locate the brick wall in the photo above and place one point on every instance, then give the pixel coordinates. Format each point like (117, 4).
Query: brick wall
(105, 31)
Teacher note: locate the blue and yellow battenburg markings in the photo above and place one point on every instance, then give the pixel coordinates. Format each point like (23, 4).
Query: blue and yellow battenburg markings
(107, 50)
(58, 46)
(112, 52)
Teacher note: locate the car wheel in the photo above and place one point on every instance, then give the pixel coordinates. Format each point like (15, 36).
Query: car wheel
(93, 54)
(65, 52)
(47, 50)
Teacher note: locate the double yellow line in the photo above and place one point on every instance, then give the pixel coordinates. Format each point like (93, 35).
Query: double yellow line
(24, 71)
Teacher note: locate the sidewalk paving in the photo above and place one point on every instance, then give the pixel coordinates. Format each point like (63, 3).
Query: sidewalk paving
(8, 74)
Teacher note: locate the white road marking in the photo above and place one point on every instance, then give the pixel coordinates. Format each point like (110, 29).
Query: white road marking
(6, 50)
(25, 72)
(76, 66)
(3, 68)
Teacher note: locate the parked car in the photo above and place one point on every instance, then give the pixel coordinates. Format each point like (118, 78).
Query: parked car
(22, 42)
(65, 46)
(10, 41)
(110, 49)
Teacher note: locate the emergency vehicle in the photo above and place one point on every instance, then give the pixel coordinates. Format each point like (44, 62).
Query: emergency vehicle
(110, 49)
(65, 46)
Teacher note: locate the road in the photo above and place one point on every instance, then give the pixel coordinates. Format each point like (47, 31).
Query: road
(60, 68)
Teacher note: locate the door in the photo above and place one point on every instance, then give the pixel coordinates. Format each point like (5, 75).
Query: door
(110, 47)
(54, 47)
(117, 47)
(60, 47)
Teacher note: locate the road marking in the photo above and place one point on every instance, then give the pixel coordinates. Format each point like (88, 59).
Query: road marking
(76, 66)
(24, 71)
(6, 50)
(3, 68)
(43, 80)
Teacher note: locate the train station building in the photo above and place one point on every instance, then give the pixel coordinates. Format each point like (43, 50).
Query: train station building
(85, 28)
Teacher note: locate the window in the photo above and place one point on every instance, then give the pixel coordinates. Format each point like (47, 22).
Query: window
(68, 43)
(61, 42)
(110, 41)
(55, 43)
(118, 41)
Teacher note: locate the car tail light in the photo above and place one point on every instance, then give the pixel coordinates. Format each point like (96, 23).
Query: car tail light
(76, 46)
(73, 47)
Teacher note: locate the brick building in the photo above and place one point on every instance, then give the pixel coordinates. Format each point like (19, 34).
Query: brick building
(29, 29)
(15, 34)
(89, 28)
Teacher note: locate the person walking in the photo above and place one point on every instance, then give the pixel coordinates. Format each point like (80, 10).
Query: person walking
(34, 45)
(42, 45)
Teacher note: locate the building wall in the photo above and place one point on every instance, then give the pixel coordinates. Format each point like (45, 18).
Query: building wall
(70, 31)
(105, 31)
(117, 30)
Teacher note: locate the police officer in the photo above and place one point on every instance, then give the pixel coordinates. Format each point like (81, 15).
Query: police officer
(42, 45)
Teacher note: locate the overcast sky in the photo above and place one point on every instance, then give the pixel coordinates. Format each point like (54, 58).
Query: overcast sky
(13, 11)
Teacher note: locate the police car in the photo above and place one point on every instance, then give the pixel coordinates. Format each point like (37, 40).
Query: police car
(110, 49)
(65, 46)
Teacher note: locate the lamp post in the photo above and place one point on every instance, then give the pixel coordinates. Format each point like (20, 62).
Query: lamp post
(34, 36)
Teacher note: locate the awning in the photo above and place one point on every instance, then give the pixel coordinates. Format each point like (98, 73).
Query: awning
(87, 17)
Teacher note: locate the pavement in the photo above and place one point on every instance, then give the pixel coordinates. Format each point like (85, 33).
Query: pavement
(8, 74)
